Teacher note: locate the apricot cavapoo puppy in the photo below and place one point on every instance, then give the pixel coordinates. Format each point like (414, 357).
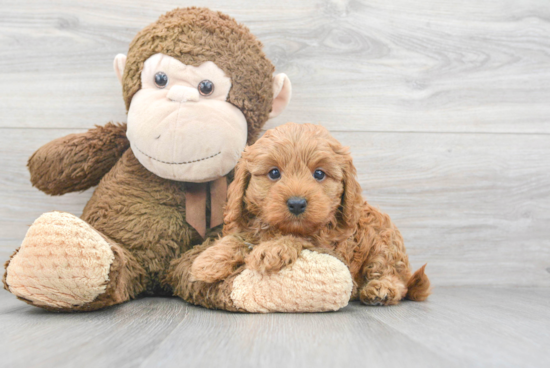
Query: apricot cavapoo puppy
(295, 189)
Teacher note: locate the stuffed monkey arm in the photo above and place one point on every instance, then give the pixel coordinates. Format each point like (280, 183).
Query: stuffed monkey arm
(78, 161)
(225, 274)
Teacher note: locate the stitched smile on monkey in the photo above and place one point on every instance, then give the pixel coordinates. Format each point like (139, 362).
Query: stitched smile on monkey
(180, 125)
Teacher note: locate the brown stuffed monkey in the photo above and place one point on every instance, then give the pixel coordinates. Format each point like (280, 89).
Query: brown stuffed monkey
(197, 88)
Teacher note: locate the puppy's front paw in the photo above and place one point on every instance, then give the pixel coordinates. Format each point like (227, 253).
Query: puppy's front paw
(272, 256)
(383, 291)
(218, 261)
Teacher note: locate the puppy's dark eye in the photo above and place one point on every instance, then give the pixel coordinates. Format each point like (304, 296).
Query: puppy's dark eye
(319, 175)
(274, 174)
(206, 87)
(161, 80)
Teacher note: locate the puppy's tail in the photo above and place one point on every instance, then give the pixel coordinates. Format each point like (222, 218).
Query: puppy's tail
(418, 286)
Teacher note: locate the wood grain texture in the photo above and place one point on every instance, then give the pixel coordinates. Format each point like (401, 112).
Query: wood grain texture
(456, 327)
(117, 337)
(437, 66)
(20, 203)
(444, 104)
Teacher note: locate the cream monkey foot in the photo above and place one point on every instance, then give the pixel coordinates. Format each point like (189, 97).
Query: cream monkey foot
(63, 263)
(316, 282)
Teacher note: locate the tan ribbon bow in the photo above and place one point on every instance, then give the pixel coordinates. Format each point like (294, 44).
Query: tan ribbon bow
(195, 204)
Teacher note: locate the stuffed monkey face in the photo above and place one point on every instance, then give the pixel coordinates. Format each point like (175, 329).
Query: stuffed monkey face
(197, 87)
(180, 125)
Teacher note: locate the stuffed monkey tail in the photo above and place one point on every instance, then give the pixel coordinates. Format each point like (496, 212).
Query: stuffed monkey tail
(418, 286)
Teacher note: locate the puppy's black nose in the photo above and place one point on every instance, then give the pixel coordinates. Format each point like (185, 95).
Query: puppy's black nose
(296, 205)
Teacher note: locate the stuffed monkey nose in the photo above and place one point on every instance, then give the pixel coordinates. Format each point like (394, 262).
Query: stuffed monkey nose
(183, 94)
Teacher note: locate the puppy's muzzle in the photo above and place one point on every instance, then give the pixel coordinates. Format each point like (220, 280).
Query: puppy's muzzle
(296, 205)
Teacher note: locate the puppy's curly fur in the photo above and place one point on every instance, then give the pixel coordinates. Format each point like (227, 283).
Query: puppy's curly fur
(337, 220)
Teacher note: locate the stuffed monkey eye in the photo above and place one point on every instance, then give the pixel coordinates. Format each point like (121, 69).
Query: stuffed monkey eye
(274, 174)
(319, 175)
(161, 80)
(206, 87)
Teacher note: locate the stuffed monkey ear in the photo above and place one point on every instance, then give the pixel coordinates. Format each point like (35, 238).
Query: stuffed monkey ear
(282, 90)
(118, 64)
(234, 217)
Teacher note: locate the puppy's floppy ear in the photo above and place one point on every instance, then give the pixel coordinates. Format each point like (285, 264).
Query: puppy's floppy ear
(352, 198)
(234, 214)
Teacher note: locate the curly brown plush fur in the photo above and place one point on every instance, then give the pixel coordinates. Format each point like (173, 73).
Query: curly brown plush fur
(140, 215)
(337, 220)
(78, 161)
(215, 295)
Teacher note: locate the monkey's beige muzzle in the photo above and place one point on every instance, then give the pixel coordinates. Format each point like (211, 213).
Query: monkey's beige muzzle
(183, 94)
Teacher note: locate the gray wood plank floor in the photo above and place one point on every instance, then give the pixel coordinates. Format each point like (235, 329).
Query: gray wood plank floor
(445, 105)
(456, 327)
